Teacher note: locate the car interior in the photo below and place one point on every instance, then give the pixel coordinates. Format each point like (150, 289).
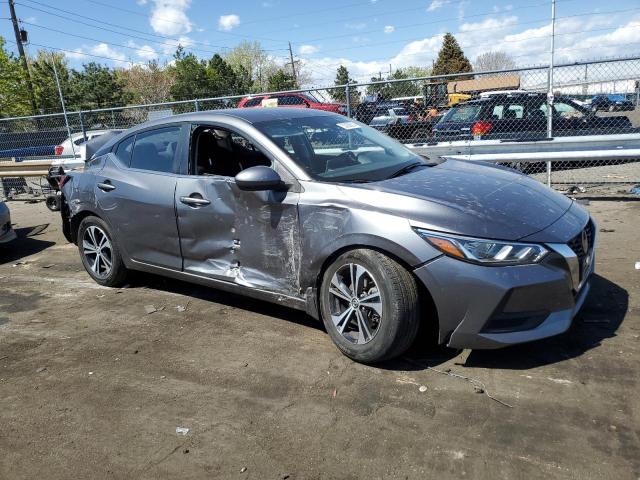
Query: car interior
(216, 151)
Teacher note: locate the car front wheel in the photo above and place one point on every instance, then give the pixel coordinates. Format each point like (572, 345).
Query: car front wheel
(369, 305)
(100, 256)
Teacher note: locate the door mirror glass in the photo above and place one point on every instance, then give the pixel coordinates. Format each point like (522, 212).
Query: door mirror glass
(259, 178)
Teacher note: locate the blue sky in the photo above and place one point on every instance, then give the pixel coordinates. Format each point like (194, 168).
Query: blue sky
(365, 35)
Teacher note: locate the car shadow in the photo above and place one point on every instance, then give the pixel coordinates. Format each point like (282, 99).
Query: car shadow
(25, 244)
(211, 294)
(600, 317)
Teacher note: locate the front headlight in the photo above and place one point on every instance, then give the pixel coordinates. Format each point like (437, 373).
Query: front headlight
(486, 252)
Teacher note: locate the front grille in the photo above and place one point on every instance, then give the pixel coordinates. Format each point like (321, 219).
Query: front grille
(576, 244)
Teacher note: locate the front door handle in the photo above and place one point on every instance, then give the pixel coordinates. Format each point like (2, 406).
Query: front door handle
(106, 186)
(195, 201)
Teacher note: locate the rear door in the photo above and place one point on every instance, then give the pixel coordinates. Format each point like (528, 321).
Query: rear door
(136, 191)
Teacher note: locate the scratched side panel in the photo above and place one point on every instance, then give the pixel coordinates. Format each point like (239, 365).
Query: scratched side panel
(268, 237)
(331, 221)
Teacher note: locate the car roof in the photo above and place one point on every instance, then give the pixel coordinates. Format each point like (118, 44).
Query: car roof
(249, 115)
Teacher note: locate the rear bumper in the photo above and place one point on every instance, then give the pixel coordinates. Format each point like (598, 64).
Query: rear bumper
(483, 307)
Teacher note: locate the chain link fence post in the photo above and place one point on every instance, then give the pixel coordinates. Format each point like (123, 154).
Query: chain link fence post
(348, 98)
(84, 131)
(196, 105)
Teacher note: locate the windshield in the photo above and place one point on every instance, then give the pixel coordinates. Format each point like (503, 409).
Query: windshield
(311, 97)
(336, 149)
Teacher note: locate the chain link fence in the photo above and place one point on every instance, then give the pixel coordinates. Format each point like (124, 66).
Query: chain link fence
(582, 132)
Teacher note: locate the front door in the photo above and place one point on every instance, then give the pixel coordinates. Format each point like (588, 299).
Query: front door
(249, 238)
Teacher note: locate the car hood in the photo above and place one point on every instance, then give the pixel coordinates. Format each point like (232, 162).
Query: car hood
(464, 198)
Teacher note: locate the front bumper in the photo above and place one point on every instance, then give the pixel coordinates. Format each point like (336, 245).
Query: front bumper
(482, 307)
(6, 232)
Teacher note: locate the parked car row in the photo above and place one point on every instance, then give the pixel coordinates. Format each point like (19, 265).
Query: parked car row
(523, 115)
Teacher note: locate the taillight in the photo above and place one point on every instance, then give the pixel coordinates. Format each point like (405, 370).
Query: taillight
(59, 149)
(481, 128)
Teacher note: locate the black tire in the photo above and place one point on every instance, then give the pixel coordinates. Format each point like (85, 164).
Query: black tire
(117, 274)
(54, 202)
(400, 319)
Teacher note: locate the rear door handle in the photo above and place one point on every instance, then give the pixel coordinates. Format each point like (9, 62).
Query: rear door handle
(195, 201)
(106, 186)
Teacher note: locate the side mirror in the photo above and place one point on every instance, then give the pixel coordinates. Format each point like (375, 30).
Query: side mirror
(260, 178)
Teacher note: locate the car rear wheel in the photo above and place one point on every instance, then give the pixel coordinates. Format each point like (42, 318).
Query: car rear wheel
(370, 306)
(99, 254)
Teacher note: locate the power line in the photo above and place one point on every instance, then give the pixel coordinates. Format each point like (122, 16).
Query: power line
(102, 22)
(75, 52)
(421, 24)
(140, 14)
(475, 44)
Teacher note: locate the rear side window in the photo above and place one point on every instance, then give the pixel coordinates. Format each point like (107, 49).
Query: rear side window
(290, 100)
(254, 102)
(463, 113)
(155, 150)
(123, 151)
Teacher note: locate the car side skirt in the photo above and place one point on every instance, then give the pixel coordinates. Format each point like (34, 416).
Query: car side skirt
(268, 296)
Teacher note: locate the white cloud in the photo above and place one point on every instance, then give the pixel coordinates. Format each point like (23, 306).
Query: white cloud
(228, 22)
(169, 17)
(141, 2)
(104, 50)
(435, 5)
(76, 54)
(145, 52)
(307, 49)
(501, 33)
(389, 29)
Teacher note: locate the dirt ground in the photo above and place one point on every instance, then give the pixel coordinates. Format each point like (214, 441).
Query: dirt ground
(92, 386)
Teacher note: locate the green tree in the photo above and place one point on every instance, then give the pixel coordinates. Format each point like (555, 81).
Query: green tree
(451, 58)
(14, 96)
(44, 84)
(96, 86)
(249, 59)
(190, 74)
(224, 80)
(343, 78)
(281, 81)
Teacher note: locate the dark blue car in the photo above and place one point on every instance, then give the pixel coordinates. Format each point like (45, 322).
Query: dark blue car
(611, 103)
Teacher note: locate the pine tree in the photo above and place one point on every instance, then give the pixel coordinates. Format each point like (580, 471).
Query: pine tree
(342, 78)
(281, 81)
(451, 58)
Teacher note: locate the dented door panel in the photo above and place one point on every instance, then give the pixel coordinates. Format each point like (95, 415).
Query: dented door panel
(250, 238)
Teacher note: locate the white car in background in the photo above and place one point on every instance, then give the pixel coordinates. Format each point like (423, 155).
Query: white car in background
(74, 157)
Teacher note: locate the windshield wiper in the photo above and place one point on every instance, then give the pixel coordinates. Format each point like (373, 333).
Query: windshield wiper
(407, 169)
(356, 180)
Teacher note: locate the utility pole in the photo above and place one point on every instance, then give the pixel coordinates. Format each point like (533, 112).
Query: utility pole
(23, 57)
(293, 65)
(550, 92)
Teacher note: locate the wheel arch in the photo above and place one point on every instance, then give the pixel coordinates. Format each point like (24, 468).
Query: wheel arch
(427, 304)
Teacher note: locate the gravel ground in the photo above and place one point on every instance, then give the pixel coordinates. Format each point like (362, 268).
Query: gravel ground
(92, 386)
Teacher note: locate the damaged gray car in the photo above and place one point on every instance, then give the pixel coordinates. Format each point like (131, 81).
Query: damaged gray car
(323, 214)
(6, 231)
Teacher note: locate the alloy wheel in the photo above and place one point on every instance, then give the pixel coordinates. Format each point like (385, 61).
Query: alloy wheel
(97, 251)
(356, 303)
